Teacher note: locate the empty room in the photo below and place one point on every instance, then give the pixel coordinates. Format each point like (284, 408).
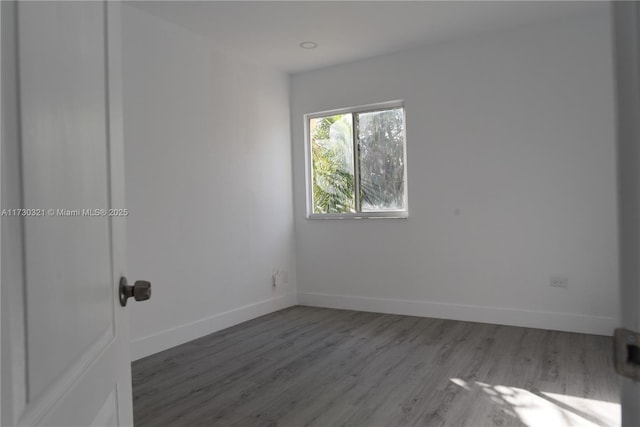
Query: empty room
(320, 213)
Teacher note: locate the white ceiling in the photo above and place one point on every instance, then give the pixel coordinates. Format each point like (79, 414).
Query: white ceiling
(271, 31)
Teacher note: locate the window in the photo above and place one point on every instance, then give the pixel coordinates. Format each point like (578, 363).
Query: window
(356, 162)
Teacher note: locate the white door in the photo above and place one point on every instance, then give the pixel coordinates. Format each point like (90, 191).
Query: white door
(627, 45)
(65, 359)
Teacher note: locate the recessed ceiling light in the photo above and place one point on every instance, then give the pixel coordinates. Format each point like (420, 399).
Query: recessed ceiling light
(308, 45)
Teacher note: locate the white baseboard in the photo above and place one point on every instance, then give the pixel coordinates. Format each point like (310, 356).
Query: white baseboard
(150, 344)
(472, 313)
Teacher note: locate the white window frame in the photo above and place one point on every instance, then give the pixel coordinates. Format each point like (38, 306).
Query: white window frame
(403, 213)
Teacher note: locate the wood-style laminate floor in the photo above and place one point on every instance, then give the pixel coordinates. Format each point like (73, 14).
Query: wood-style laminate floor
(323, 367)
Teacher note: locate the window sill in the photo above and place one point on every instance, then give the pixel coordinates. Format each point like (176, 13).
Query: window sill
(361, 215)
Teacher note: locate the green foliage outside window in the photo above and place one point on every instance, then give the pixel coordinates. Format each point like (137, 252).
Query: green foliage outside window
(380, 143)
(332, 159)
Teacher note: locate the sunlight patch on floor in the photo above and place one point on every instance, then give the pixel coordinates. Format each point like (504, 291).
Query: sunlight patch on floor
(539, 408)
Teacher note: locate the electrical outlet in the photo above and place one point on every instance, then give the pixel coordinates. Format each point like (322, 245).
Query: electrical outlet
(279, 278)
(559, 282)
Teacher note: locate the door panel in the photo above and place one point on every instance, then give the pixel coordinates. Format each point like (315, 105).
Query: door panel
(64, 158)
(67, 346)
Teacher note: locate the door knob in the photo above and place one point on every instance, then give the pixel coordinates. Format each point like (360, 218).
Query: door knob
(140, 291)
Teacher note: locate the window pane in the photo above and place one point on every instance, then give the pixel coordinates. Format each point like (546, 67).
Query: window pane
(381, 146)
(332, 164)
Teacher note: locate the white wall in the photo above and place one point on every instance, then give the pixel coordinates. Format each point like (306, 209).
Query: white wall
(515, 131)
(208, 172)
